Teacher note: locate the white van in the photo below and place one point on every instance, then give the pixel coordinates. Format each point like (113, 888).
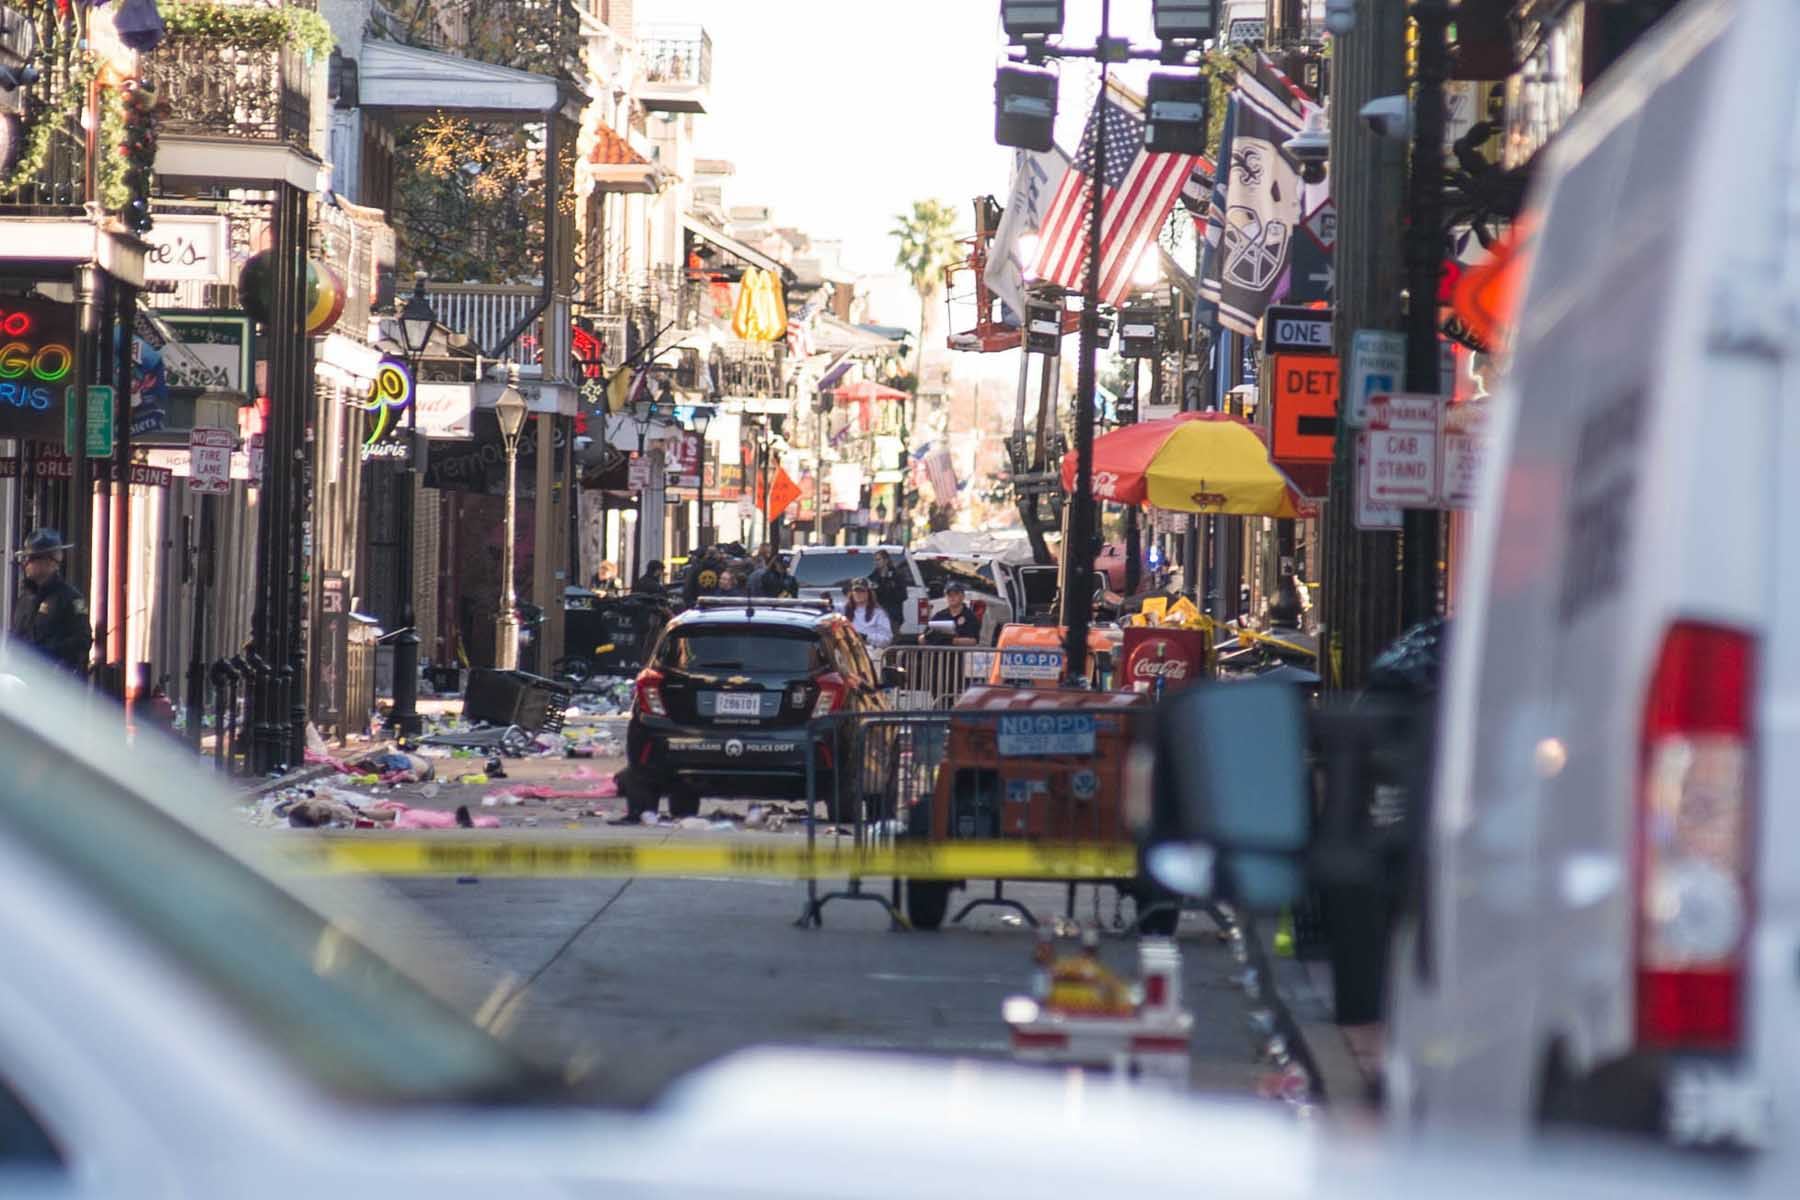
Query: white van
(1611, 921)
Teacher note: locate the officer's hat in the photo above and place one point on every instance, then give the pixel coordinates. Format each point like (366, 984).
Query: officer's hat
(42, 543)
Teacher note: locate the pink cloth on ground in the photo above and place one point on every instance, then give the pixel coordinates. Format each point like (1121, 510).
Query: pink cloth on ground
(431, 818)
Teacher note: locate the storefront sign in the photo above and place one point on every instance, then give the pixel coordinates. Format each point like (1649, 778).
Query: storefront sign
(37, 359)
(216, 354)
(684, 462)
(446, 410)
(190, 249)
(60, 466)
(390, 395)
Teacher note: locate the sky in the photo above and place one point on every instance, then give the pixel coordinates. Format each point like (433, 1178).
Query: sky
(839, 113)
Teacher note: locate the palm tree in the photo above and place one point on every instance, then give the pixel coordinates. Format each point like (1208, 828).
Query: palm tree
(927, 244)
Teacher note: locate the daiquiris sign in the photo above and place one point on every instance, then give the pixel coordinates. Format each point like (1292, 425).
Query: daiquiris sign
(37, 364)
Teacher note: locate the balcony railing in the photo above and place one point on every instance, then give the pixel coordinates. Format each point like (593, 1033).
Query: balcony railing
(61, 186)
(488, 312)
(751, 369)
(220, 89)
(677, 62)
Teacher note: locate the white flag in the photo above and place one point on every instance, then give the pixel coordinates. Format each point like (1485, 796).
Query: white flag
(1035, 179)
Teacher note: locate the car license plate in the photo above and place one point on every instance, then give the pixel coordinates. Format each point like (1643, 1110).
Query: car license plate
(1039, 734)
(737, 704)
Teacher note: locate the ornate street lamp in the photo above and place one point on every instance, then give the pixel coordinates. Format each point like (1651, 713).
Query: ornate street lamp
(702, 417)
(418, 322)
(509, 410)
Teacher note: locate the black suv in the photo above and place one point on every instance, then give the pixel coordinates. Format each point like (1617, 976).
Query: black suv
(722, 707)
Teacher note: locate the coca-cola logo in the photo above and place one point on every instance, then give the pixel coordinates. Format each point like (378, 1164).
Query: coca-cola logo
(1164, 668)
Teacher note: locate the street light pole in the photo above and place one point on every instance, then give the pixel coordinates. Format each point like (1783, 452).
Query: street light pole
(1078, 548)
(417, 323)
(509, 410)
(701, 419)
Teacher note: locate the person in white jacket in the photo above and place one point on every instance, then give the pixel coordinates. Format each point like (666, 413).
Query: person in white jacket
(868, 617)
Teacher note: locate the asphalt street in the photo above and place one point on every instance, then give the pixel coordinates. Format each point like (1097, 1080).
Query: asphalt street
(646, 978)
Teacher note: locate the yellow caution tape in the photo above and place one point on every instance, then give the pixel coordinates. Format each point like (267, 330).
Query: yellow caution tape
(567, 859)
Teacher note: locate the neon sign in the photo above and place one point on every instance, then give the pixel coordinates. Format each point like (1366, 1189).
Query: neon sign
(37, 360)
(390, 395)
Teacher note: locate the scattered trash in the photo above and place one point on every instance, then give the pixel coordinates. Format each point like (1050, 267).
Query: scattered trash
(650, 818)
(495, 799)
(475, 778)
(694, 823)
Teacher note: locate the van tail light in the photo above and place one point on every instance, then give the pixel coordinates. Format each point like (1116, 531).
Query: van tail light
(832, 690)
(924, 612)
(649, 693)
(1695, 825)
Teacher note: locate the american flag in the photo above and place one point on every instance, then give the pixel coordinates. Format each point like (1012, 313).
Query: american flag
(1140, 189)
(941, 471)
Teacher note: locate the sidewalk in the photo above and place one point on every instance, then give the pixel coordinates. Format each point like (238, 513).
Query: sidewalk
(1347, 1058)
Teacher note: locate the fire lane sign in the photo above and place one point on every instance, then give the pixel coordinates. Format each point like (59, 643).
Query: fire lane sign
(209, 460)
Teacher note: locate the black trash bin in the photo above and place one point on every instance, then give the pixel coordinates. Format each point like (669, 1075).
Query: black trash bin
(531, 702)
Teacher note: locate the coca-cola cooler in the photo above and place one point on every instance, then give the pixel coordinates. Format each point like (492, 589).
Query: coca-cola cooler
(1162, 660)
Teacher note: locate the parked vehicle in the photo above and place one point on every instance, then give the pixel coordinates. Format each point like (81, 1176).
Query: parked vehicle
(723, 706)
(1610, 920)
(826, 573)
(1603, 920)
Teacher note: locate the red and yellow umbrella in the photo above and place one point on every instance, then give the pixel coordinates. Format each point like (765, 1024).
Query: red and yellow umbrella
(1191, 462)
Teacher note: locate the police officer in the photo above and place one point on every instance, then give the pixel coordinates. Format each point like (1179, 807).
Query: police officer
(50, 615)
(964, 621)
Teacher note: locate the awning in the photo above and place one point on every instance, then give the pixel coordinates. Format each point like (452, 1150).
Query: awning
(409, 81)
(731, 245)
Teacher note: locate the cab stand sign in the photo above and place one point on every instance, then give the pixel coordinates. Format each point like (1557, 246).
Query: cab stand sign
(1419, 452)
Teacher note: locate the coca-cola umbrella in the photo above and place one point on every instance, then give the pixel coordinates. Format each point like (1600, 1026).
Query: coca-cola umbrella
(1191, 462)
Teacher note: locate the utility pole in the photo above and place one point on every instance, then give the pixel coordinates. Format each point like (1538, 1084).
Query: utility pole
(1361, 569)
(1424, 270)
(1078, 545)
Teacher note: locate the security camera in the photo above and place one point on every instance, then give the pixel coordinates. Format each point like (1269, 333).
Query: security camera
(1389, 117)
(1310, 148)
(582, 443)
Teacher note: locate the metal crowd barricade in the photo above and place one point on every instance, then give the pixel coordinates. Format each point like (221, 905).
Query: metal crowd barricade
(877, 778)
(936, 676)
(868, 771)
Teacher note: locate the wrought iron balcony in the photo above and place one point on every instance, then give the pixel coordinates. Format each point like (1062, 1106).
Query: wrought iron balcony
(677, 61)
(750, 369)
(488, 312)
(61, 186)
(221, 89)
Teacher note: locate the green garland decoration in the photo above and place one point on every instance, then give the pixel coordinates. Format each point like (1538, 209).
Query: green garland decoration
(241, 25)
(115, 188)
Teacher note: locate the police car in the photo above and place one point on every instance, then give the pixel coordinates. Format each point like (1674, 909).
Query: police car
(724, 704)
